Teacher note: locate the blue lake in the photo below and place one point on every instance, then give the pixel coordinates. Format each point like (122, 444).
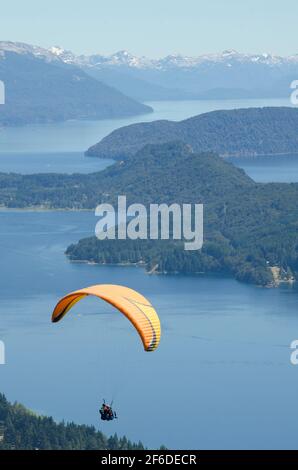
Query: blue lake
(222, 377)
(267, 169)
(50, 162)
(60, 147)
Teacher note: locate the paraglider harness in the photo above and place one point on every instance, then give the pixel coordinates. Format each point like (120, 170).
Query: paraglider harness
(106, 412)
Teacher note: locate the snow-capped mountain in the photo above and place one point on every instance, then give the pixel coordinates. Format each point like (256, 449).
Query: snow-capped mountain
(124, 58)
(228, 74)
(26, 49)
(41, 86)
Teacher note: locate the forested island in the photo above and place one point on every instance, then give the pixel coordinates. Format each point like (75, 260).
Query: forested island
(237, 132)
(21, 429)
(250, 229)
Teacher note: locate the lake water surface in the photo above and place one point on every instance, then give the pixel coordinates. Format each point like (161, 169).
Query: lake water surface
(60, 147)
(222, 377)
(271, 168)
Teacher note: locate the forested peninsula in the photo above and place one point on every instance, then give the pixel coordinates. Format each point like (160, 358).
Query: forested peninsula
(250, 229)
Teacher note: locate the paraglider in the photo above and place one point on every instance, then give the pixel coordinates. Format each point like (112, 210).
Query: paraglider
(136, 308)
(130, 303)
(106, 412)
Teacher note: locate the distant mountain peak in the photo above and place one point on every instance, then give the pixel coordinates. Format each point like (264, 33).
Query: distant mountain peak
(126, 59)
(229, 52)
(122, 56)
(29, 49)
(56, 50)
(123, 53)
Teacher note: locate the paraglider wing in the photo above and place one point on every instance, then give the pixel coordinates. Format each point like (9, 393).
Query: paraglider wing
(129, 302)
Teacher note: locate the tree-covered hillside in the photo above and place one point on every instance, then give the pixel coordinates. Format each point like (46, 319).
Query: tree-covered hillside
(22, 429)
(38, 91)
(161, 173)
(249, 132)
(249, 228)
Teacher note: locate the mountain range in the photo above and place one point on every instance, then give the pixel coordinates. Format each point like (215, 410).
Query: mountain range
(226, 75)
(41, 88)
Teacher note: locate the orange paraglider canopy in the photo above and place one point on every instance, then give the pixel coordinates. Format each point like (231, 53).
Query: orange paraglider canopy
(133, 305)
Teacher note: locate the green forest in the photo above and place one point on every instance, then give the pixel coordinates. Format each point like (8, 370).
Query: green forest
(21, 429)
(237, 132)
(249, 228)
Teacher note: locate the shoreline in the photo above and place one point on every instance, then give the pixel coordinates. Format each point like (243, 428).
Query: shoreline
(222, 155)
(257, 155)
(41, 209)
(275, 283)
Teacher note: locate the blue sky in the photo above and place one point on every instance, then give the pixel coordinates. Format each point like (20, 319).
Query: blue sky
(154, 27)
